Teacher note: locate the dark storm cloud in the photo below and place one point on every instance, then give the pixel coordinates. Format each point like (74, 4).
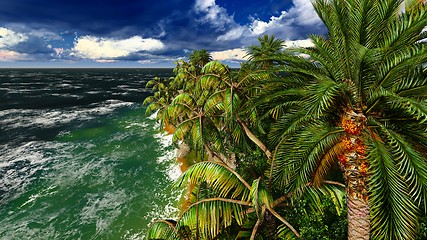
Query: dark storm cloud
(91, 16)
(70, 30)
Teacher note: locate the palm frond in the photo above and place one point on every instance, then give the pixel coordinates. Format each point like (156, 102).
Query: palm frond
(260, 198)
(415, 109)
(163, 229)
(393, 212)
(182, 130)
(409, 162)
(212, 215)
(298, 157)
(220, 178)
(323, 96)
(334, 192)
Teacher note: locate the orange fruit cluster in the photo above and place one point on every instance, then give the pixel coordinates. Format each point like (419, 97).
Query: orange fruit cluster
(360, 147)
(348, 145)
(349, 126)
(342, 158)
(363, 168)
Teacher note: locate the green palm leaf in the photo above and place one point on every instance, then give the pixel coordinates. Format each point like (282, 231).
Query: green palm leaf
(163, 229)
(212, 215)
(224, 181)
(393, 212)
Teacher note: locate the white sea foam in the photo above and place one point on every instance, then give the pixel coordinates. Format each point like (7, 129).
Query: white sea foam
(154, 117)
(45, 192)
(103, 208)
(18, 164)
(14, 118)
(167, 150)
(168, 155)
(139, 125)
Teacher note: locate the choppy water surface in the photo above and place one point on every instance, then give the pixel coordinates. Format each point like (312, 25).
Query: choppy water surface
(78, 157)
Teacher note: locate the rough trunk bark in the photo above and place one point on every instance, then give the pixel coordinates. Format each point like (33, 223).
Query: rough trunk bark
(354, 167)
(358, 218)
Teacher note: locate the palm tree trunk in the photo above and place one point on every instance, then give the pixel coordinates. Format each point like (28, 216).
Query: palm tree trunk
(357, 217)
(254, 139)
(354, 167)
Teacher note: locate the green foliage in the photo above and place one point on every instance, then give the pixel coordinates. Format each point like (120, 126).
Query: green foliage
(423, 229)
(371, 64)
(322, 222)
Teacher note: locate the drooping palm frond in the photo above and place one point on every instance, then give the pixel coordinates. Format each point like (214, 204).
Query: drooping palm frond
(212, 215)
(393, 212)
(260, 197)
(413, 84)
(163, 229)
(409, 162)
(219, 177)
(299, 155)
(333, 191)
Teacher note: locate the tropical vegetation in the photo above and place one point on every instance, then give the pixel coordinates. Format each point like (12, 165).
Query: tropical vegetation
(295, 133)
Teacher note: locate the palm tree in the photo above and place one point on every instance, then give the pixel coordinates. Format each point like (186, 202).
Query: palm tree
(265, 54)
(232, 92)
(195, 122)
(360, 101)
(199, 58)
(208, 116)
(161, 98)
(222, 199)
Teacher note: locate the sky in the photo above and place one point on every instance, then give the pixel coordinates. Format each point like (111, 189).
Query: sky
(142, 33)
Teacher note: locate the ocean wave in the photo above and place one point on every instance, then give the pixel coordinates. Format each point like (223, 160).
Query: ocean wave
(16, 118)
(102, 209)
(21, 165)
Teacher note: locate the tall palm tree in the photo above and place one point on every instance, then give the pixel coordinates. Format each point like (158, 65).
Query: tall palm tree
(232, 92)
(208, 117)
(195, 121)
(360, 101)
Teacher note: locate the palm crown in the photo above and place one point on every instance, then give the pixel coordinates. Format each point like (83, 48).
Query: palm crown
(359, 99)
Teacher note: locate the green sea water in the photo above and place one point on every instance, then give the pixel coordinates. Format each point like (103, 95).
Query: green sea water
(85, 163)
(105, 181)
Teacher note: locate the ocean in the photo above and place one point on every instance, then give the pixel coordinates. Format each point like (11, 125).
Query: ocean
(78, 157)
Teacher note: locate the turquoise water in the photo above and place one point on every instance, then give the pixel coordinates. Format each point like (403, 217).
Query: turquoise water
(100, 171)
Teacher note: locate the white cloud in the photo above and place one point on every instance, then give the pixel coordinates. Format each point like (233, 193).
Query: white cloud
(104, 48)
(298, 43)
(203, 5)
(9, 38)
(302, 13)
(214, 14)
(259, 27)
(105, 61)
(290, 24)
(45, 34)
(237, 54)
(12, 56)
(233, 34)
